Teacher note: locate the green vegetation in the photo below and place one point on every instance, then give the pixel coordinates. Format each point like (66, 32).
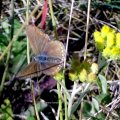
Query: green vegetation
(87, 85)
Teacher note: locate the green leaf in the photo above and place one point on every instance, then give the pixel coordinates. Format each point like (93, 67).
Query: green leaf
(18, 47)
(103, 83)
(18, 61)
(5, 26)
(31, 118)
(77, 103)
(95, 103)
(30, 112)
(103, 98)
(6, 110)
(17, 26)
(107, 99)
(3, 39)
(101, 61)
(87, 107)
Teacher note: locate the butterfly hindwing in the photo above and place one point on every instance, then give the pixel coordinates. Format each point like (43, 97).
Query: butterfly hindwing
(30, 71)
(53, 49)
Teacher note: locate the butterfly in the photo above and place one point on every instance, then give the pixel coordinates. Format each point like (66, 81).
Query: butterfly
(48, 54)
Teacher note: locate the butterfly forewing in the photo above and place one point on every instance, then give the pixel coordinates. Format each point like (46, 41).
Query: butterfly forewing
(30, 71)
(53, 49)
(37, 38)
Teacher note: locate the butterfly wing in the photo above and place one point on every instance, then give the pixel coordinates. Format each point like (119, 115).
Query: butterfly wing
(30, 71)
(53, 49)
(37, 38)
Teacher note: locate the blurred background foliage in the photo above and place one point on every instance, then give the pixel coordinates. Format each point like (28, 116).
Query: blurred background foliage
(102, 94)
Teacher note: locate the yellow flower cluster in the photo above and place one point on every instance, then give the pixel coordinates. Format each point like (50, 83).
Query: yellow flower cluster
(84, 72)
(107, 41)
(85, 75)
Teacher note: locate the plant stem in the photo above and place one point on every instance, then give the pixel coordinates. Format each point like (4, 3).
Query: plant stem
(60, 101)
(56, 36)
(34, 102)
(65, 97)
(53, 20)
(87, 27)
(27, 21)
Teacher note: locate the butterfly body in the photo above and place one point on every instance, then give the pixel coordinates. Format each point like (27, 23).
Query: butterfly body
(43, 59)
(49, 54)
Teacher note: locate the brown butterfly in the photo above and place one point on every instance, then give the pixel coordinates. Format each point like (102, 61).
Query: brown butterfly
(49, 55)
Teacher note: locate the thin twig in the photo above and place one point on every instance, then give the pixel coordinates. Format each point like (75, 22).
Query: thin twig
(65, 97)
(60, 101)
(34, 102)
(27, 21)
(71, 99)
(53, 20)
(87, 27)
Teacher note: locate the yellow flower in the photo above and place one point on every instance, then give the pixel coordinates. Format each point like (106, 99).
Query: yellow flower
(104, 31)
(112, 30)
(59, 76)
(106, 52)
(100, 43)
(110, 39)
(115, 53)
(73, 76)
(118, 40)
(96, 34)
(83, 75)
(92, 77)
(94, 67)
